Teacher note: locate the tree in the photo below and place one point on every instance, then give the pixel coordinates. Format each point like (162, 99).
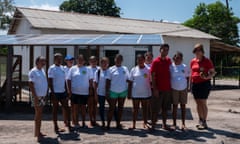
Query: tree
(216, 19)
(98, 7)
(6, 11)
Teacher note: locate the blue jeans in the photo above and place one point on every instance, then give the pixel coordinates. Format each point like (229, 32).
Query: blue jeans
(101, 101)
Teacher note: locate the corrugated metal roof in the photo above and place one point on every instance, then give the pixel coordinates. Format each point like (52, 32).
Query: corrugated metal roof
(107, 39)
(45, 19)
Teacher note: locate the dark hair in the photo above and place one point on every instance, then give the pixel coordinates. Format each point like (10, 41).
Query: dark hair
(164, 45)
(81, 56)
(119, 56)
(178, 53)
(198, 46)
(39, 58)
(148, 53)
(140, 56)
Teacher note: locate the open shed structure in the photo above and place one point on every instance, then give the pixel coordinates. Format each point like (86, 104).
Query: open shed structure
(48, 40)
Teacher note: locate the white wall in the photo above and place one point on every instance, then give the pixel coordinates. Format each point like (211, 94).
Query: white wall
(25, 28)
(128, 53)
(184, 45)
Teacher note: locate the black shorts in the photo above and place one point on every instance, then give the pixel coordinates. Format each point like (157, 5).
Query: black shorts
(136, 98)
(201, 90)
(59, 96)
(79, 99)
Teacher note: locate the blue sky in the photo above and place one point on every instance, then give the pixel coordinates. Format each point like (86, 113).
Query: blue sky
(168, 10)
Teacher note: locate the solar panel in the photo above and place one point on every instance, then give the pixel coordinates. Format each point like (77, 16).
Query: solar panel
(82, 39)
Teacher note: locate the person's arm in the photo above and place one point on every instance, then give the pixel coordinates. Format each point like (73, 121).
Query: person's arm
(91, 87)
(69, 86)
(50, 85)
(211, 73)
(130, 89)
(154, 85)
(32, 89)
(107, 87)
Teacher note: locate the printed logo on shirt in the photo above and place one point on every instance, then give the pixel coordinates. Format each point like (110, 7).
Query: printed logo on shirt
(84, 72)
(145, 75)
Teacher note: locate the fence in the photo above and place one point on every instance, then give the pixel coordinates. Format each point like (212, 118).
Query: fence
(227, 76)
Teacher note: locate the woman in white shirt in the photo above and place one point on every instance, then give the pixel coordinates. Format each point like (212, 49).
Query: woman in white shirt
(39, 86)
(80, 80)
(100, 86)
(179, 84)
(116, 89)
(139, 89)
(56, 81)
(92, 100)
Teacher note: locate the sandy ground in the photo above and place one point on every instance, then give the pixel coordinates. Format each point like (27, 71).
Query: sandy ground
(223, 121)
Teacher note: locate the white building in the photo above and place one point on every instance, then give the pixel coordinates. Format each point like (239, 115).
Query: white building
(34, 21)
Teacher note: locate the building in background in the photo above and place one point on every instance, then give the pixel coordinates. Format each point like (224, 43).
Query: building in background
(35, 21)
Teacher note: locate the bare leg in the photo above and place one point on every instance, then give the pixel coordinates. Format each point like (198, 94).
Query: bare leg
(66, 112)
(75, 114)
(145, 110)
(183, 112)
(135, 112)
(174, 114)
(120, 111)
(90, 110)
(199, 109)
(38, 119)
(83, 113)
(112, 106)
(55, 114)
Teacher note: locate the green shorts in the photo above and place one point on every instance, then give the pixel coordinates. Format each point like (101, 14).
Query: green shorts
(115, 95)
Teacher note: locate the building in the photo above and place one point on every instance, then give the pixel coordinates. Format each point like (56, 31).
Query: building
(35, 21)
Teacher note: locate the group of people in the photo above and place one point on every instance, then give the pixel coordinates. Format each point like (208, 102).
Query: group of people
(155, 84)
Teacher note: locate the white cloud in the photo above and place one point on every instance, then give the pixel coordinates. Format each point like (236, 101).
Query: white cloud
(45, 7)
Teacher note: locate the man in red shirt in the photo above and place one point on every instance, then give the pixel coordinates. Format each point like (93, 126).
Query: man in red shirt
(161, 85)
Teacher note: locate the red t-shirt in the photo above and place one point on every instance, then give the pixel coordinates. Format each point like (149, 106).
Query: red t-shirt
(161, 68)
(200, 66)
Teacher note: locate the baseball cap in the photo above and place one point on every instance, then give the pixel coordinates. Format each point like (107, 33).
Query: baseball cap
(69, 57)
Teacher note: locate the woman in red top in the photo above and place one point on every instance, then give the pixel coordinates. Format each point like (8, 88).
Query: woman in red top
(202, 70)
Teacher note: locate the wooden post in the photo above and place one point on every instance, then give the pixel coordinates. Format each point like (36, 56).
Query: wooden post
(9, 93)
(239, 76)
(47, 57)
(31, 57)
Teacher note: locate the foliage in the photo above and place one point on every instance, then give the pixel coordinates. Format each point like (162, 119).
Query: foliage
(98, 7)
(3, 51)
(216, 19)
(6, 10)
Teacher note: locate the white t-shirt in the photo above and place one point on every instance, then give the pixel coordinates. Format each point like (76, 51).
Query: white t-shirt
(80, 77)
(39, 79)
(66, 70)
(118, 77)
(148, 65)
(179, 74)
(141, 82)
(57, 74)
(94, 69)
(101, 80)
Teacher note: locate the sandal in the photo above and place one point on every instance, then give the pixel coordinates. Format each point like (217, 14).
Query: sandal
(132, 128)
(184, 128)
(120, 126)
(42, 134)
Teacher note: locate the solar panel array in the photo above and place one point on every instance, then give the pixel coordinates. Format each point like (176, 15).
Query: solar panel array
(84, 39)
